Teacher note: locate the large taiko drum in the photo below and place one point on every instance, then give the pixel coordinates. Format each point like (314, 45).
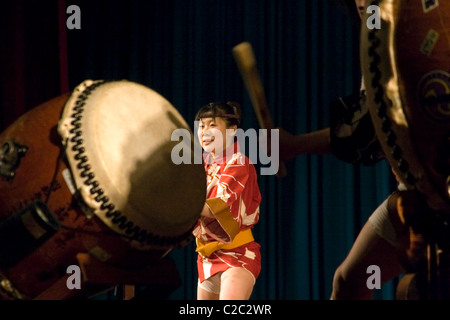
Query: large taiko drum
(406, 68)
(91, 172)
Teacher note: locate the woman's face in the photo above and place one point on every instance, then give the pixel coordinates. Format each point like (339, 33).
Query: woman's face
(212, 134)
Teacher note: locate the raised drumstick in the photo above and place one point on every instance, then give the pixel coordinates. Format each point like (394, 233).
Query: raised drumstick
(246, 62)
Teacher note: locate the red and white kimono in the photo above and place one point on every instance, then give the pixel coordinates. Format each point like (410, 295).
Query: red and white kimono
(233, 197)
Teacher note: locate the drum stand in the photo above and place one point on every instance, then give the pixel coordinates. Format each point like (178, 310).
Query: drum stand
(431, 279)
(98, 277)
(428, 255)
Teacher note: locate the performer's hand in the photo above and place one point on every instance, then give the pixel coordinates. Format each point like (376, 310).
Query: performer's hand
(206, 212)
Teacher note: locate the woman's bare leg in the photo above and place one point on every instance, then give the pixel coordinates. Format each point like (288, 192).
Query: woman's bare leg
(206, 295)
(350, 278)
(237, 284)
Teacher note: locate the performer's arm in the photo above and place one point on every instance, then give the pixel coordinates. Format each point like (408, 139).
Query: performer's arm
(315, 142)
(218, 220)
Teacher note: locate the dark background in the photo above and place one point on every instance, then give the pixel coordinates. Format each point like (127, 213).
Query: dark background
(307, 54)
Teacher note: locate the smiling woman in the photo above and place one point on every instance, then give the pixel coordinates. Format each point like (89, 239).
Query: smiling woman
(229, 259)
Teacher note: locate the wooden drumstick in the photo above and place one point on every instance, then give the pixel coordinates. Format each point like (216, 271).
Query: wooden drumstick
(246, 62)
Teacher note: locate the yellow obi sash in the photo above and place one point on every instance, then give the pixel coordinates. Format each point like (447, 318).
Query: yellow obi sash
(206, 248)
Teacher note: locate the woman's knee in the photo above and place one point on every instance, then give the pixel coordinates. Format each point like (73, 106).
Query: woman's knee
(347, 286)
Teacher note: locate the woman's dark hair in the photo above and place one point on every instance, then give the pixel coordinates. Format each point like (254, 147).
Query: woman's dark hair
(229, 111)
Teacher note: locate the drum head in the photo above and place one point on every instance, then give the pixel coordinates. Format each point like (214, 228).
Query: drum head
(117, 138)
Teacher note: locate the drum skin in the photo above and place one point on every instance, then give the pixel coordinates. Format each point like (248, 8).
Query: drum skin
(406, 70)
(118, 141)
(39, 176)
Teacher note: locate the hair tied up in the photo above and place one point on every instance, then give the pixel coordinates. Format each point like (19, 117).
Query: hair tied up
(236, 110)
